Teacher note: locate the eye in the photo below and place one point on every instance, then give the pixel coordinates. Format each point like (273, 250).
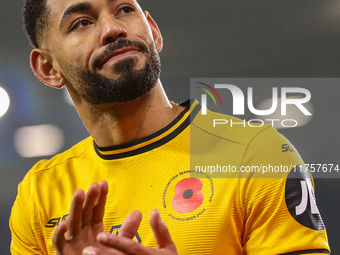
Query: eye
(81, 23)
(125, 10)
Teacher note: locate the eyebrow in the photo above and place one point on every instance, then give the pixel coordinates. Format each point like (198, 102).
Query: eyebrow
(74, 8)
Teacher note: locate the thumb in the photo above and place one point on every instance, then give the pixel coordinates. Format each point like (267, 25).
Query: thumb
(58, 238)
(161, 232)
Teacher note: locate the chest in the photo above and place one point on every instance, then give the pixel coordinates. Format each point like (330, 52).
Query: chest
(202, 213)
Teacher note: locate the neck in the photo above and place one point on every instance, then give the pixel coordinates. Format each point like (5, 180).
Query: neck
(124, 122)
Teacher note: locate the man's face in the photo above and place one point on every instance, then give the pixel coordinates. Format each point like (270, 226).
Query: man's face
(104, 49)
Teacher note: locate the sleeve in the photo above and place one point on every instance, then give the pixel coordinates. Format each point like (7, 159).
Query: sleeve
(23, 237)
(280, 212)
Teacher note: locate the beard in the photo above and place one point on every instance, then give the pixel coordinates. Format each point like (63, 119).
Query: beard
(129, 85)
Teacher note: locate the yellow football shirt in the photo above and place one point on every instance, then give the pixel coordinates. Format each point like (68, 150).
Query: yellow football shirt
(240, 212)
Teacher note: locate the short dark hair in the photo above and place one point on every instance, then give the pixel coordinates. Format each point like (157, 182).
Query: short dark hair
(36, 15)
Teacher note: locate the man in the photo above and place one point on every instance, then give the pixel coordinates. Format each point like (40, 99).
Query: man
(106, 54)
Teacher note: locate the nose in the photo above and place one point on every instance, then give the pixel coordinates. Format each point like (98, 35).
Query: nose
(111, 30)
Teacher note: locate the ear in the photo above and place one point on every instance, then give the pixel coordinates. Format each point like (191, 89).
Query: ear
(42, 66)
(156, 33)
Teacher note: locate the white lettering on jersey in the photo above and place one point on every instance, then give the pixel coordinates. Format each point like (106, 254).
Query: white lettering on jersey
(307, 191)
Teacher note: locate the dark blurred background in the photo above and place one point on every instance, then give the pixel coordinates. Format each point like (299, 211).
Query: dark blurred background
(276, 38)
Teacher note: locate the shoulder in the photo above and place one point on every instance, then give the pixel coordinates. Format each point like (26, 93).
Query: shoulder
(230, 128)
(48, 171)
(225, 140)
(74, 152)
(35, 192)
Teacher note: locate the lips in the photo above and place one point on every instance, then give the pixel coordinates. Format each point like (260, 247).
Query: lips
(120, 53)
(118, 49)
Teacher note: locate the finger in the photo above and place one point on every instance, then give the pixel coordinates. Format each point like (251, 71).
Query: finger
(58, 238)
(90, 200)
(99, 208)
(91, 251)
(75, 216)
(161, 232)
(131, 225)
(100, 251)
(123, 244)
